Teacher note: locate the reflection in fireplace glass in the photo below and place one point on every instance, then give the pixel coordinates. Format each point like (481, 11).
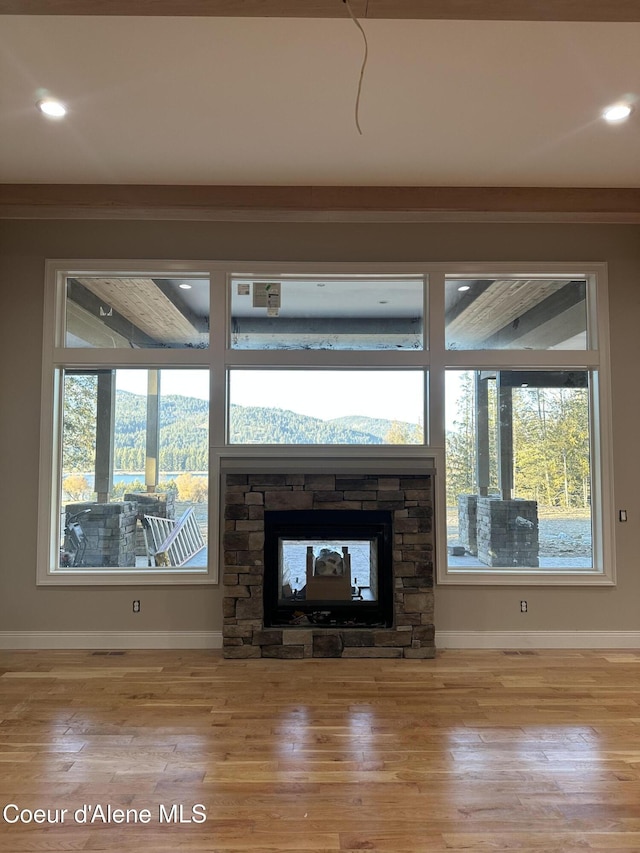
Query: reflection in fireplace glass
(327, 570)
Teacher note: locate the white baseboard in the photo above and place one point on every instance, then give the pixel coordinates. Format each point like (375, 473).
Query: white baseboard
(213, 639)
(538, 639)
(110, 639)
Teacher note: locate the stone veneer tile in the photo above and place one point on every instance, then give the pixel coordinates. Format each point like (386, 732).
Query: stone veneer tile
(374, 652)
(288, 500)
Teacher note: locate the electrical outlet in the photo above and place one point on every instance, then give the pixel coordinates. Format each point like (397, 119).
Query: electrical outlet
(523, 607)
(136, 605)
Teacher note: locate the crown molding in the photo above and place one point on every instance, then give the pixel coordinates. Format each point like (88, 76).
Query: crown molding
(470, 10)
(312, 204)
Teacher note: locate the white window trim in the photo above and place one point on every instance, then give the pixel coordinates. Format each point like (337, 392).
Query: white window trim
(57, 358)
(603, 572)
(219, 358)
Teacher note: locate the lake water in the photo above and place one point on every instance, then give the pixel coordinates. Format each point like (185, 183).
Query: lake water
(131, 478)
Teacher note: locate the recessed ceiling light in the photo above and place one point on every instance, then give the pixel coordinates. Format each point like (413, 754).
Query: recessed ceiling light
(51, 107)
(464, 287)
(617, 112)
(185, 286)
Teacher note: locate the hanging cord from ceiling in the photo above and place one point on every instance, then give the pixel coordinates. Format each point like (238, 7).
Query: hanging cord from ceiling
(364, 63)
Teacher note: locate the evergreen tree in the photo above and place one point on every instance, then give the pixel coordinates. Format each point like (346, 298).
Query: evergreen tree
(79, 422)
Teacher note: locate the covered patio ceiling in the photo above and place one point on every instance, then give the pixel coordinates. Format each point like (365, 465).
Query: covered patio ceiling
(492, 313)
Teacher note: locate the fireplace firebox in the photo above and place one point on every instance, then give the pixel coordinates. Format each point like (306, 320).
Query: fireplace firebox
(330, 568)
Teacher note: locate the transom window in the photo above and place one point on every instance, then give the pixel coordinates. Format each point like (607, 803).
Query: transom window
(516, 313)
(357, 312)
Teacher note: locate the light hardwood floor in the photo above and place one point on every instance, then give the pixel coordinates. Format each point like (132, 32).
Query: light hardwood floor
(473, 751)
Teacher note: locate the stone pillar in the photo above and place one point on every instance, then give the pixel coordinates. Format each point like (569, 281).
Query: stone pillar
(508, 532)
(160, 504)
(110, 533)
(468, 522)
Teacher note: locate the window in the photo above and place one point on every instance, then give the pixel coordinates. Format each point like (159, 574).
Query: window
(526, 421)
(128, 409)
(135, 449)
(519, 469)
(122, 311)
(326, 407)
(358, 312)
(497, 374)
(515, 313)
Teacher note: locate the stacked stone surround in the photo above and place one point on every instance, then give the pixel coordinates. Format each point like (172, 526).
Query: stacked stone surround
(110, 531)
(410, 500)
(507, 533)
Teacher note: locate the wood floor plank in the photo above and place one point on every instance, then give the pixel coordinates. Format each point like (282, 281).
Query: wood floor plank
(472, 751)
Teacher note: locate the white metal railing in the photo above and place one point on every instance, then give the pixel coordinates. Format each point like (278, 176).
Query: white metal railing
(173, 543)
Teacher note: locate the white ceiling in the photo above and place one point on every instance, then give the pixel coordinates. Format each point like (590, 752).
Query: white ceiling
(271, 101)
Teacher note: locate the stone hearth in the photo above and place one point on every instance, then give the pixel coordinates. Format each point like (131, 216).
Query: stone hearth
(409, 497)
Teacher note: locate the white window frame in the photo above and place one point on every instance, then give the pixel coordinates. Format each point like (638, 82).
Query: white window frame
(56, 358)
(594, 360)
(219, 359)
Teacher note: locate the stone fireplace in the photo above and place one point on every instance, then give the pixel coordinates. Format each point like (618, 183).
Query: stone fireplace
(317, 622)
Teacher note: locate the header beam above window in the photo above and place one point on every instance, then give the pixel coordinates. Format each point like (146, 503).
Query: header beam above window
(470, 10)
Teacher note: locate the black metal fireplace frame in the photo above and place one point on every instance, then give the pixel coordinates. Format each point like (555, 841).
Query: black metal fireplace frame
(329, 524)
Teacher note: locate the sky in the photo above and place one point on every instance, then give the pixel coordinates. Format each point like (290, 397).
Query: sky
(188, 383)
(393, 395)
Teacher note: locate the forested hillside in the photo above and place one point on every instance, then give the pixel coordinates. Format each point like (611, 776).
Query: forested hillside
(550, 434)
(253, 425)
(184, 431)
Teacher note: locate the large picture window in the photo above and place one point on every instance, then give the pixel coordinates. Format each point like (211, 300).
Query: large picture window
(126, 428)
(519, 469)
(326, 407)
(526, 425)
(155, 372)
(134, 462)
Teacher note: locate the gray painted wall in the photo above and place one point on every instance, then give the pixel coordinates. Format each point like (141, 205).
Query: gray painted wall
(25, 245)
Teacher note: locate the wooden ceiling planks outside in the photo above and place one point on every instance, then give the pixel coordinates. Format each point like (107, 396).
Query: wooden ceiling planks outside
(497, 307)
(144, 305)
(470, 10)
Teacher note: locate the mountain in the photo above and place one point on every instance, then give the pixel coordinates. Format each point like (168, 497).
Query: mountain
(184, 432)
(379, 427)
(255, 425)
